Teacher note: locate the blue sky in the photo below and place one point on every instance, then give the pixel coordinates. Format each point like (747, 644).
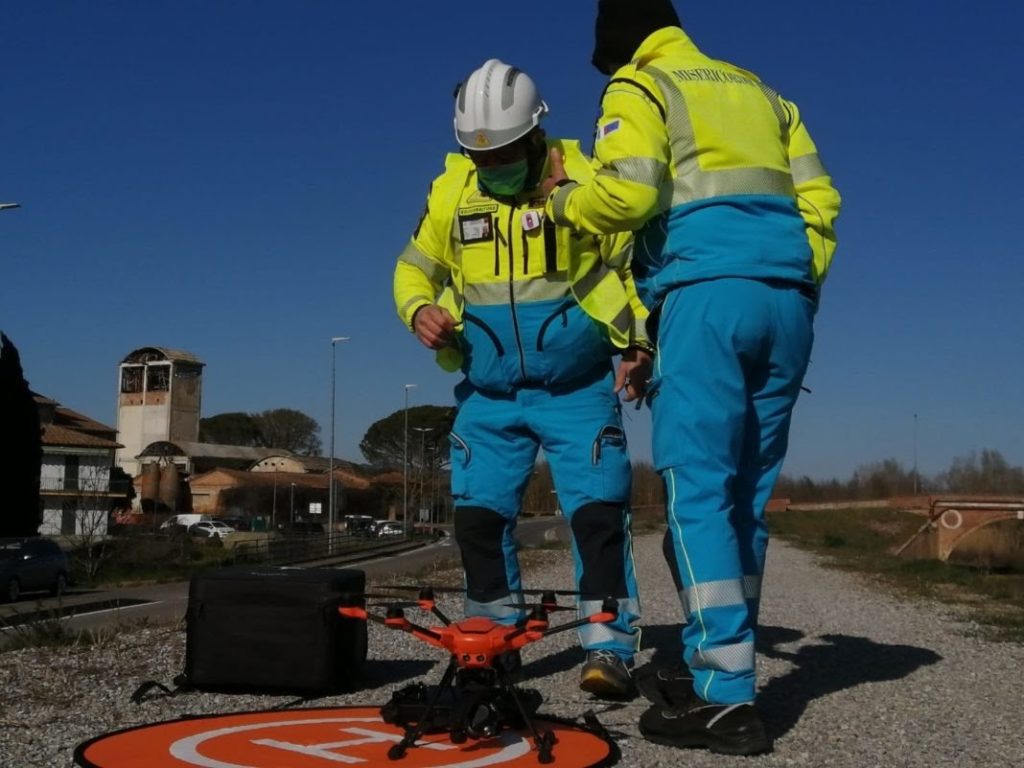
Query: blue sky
(236, 178)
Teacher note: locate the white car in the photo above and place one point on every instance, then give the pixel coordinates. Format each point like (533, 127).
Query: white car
(211, 529)
(390, 529)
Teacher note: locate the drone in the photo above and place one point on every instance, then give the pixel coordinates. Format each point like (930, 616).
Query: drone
(480, 698)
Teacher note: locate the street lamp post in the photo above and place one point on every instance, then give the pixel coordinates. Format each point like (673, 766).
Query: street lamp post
(405, 464)
(915, 454)
(273, 512)
(423, 456)
(330, 476)
(291, 505)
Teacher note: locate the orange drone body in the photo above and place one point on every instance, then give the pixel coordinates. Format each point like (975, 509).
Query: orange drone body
(475, 642)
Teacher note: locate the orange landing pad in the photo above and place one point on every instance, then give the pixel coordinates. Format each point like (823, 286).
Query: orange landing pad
(326, 738)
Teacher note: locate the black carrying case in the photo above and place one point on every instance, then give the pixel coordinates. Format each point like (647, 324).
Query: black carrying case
(275, 630)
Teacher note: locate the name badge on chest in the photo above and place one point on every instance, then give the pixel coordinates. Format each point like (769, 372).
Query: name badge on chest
(475, 229)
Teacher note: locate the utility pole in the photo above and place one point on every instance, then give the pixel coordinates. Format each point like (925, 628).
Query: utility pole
(423, 455)
(915, 455)
(405, 464)
(332, 492)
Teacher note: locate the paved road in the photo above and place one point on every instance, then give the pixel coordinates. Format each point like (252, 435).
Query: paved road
(167, 603)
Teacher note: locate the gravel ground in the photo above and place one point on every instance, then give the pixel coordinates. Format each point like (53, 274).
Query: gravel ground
(849, 676)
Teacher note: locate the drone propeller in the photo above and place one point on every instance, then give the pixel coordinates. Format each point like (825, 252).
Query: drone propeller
(394, 604)
(546, 595)
(547, 607)
(425, 589)
(350, 596)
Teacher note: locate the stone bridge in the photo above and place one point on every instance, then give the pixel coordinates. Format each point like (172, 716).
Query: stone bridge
(952, 518)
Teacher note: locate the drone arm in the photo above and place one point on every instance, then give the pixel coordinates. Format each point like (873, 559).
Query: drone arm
(441, 617)
(427, 635)
(598, 618)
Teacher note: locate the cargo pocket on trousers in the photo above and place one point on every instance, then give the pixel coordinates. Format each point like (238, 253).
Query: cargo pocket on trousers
(460, 458)
(610, 456)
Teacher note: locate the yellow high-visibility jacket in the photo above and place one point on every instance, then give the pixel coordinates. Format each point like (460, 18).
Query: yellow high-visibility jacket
(535, 303)
(684, 137)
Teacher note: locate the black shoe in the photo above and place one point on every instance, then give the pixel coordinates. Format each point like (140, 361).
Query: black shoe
(606, 675)
(667, 686)
(728, 729)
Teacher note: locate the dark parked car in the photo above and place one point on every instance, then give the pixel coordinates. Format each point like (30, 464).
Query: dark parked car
(238, 523)
(31, 564)
(304, 526)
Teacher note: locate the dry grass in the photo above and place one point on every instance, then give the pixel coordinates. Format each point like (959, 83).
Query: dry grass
(986, 578)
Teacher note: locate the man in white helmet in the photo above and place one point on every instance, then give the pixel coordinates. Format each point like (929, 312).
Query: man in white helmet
(534, 316)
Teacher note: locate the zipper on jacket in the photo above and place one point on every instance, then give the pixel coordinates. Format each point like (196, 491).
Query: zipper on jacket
(550, 246)
(526, 253)
(512, 292)
(564, 312)
(497, 250)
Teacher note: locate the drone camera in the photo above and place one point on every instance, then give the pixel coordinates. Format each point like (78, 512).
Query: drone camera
(483, 721)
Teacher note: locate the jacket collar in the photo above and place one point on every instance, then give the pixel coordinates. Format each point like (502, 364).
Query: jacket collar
(664, 42)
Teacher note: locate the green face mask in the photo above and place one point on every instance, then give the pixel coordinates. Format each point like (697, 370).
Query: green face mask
(504, 180)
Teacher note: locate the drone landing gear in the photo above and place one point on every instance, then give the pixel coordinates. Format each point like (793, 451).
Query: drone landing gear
(468, 704)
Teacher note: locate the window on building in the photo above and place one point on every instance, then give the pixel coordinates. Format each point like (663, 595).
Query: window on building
(131, 379)
(158, 378)
(71, 473)
(68, 518)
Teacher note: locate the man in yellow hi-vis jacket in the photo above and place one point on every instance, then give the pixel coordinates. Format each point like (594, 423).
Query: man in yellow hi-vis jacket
(533, 314)
(734, 216)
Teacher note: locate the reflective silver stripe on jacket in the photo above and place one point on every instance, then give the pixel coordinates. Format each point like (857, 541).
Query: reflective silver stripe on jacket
(622, 258)
(414, 256)
(413, 301)
(558, 207)
(727, 658)
(554, 285)
(807, 167)
(640, 170)
(691, 182)
(590, 281)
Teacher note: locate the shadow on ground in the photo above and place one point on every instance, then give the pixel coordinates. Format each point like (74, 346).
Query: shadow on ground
(821, 666)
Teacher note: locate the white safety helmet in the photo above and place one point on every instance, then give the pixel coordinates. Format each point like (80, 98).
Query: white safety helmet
(495, 106)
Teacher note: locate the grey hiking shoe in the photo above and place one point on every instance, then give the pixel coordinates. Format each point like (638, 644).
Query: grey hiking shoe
(606, 675)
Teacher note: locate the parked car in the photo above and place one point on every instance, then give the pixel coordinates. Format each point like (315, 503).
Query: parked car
(184, 520)
(238, 523)
(304, 526)
(391, 528)
(213, 529)
(32, 564)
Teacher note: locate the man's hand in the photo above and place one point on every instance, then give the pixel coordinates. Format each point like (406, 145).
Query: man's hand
(434, 326)
(556, 172)
(634, 373)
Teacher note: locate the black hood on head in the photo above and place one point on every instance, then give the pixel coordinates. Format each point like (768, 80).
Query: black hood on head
(622, 25)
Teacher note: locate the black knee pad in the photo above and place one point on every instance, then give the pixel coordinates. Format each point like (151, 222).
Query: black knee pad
(479, 533)
(669, 550)
(599, 529)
